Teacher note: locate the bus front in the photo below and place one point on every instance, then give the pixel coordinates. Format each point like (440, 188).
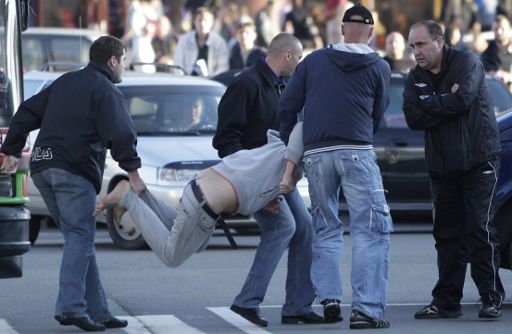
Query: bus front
(14, 217)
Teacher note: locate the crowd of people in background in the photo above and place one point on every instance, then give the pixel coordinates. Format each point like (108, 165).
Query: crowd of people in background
(211, 39)
(236, 33)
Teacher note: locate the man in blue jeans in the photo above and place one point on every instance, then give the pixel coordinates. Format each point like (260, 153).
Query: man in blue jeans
(246, 111)
(79, 116)
(343, 90)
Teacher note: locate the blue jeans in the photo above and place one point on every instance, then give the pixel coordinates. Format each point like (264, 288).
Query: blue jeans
(356, 173)
(71, 199)
(289, 228)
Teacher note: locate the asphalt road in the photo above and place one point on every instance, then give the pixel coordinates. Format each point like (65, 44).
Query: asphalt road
(195, 297)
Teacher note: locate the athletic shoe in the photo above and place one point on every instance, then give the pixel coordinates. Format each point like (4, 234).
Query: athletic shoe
(359, 320)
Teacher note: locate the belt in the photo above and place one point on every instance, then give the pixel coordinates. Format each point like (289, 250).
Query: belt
(198, 194)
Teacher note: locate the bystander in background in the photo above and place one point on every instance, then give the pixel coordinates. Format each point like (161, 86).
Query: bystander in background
(397, 57)
(202, 52)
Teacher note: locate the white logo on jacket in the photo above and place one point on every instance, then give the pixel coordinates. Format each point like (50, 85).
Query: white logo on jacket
(421, 84)
(42, 154)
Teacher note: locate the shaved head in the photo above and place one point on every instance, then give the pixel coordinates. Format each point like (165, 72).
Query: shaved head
(284, 54)
(283, 42)
(356, 32)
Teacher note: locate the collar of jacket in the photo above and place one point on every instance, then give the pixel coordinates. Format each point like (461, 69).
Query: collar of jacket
(270, 77)
(102, 68)
(447, 51)
(193, 40)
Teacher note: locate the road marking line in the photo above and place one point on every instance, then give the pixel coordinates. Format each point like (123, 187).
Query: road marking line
(237, 321)
(5, 328)
(135, 326)
(391, 304)
(154, 324)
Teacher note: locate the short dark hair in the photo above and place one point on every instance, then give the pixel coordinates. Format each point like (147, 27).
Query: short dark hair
(245, 24)
(434, 29)
(202, 11)
(104, 48)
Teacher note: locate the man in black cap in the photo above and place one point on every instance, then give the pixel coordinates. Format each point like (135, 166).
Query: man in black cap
(343, 90)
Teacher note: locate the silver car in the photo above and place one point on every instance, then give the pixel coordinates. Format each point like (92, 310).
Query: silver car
(175, 118)
(56, 48)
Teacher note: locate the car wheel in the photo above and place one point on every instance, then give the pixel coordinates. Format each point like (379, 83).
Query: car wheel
(122, 230)
(504, 232)
(34, 226)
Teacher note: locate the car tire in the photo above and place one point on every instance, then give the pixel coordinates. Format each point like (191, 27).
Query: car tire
(34, 226)
(123, 231)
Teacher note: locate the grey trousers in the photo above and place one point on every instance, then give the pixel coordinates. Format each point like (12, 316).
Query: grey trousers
(173, 235)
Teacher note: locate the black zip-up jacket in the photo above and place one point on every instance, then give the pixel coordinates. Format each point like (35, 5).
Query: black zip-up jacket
(460, 127)
(247, 110)
(79, 115)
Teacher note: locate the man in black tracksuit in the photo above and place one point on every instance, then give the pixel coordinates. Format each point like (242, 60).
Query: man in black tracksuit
(246, 111)
(79, 116)
(446, 95)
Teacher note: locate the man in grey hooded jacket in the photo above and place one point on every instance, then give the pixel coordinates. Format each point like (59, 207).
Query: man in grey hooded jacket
(243, 182)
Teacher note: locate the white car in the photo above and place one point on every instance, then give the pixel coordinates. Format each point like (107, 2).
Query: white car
(56, 48)
(172, 149)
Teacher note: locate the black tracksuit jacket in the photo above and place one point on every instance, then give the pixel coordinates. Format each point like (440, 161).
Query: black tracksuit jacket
(460, 128)
(247, 110)
(79, 115)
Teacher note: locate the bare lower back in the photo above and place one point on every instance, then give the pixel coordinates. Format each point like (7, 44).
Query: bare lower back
(217, 191)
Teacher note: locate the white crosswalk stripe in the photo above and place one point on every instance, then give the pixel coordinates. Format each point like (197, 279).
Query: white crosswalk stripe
(237, 321)
(5, 328)
(155, 324)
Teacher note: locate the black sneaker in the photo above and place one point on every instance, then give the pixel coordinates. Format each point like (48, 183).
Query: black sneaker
(433, 312)
(332, 310)
(359, 320)
(490, 308)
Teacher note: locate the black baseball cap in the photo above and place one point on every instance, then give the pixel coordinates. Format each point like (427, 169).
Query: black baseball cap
(358, 14)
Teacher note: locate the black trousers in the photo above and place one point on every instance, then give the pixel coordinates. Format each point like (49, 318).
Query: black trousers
(464, 232)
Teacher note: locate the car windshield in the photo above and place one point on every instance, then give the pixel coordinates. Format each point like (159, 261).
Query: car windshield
(173, 110)
(57, 48)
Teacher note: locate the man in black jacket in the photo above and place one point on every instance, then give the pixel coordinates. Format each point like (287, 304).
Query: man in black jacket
(446, 95)
(79, 116)
(246, 111)
(248, 108)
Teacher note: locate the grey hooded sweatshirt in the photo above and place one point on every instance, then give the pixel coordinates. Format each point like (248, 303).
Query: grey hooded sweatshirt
(256, 174)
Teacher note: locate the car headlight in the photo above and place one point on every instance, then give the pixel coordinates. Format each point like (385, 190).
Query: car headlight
(170, 176)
